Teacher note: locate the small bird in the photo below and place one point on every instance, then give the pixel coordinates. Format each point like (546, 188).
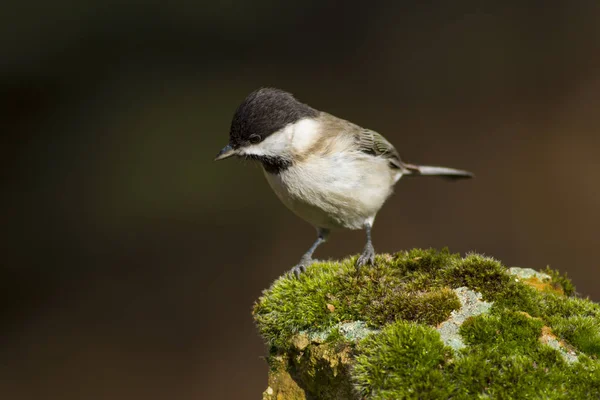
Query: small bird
(328, 171)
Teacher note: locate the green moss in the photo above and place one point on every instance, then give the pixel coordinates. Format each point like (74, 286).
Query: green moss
(479, 273)
(410, 285)
(505, 329)
(504, 359)
(561, 282)
(536, 341)
(583, 332)
(431, 307)
(404, 358)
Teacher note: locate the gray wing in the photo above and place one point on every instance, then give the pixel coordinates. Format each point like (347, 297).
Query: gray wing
(373, 143)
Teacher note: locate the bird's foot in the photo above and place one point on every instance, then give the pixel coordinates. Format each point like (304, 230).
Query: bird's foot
(301, 266)
(367, 256)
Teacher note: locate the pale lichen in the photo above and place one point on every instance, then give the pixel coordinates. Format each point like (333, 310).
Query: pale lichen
(471, 306)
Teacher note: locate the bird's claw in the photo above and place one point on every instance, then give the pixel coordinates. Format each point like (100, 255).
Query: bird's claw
(298, 269)
(301, 266)
(367, 257)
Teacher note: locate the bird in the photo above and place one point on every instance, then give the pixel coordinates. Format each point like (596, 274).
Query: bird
(330, 172)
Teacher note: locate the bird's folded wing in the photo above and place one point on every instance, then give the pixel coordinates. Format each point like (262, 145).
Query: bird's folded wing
(373, 143)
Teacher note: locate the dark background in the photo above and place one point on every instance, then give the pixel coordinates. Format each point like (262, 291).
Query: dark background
(131, 260)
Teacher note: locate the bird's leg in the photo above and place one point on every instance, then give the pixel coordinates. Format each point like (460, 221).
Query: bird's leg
(306, 259)
(368, 254)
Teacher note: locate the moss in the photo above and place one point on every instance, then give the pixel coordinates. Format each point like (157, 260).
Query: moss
(504, 359)
(404, 358)
(410, 285)
(431, 307)
(375, 328)
(583, 332)
(550, 339)
(548, 280)
(471, 305)
(506, 329)
(540, 285)
(561, 282)
(481, 274)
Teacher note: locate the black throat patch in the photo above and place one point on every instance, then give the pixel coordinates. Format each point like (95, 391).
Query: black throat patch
(273, 165)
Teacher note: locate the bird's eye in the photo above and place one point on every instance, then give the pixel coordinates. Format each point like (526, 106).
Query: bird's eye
(254, 139)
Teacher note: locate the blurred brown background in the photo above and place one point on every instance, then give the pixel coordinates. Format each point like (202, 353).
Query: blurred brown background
(131, 260)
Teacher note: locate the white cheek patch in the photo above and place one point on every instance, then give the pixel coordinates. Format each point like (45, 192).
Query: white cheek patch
(297, 137)
(305, 134)
(274, 145)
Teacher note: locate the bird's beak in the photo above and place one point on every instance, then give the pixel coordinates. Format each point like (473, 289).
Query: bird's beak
(225, 152)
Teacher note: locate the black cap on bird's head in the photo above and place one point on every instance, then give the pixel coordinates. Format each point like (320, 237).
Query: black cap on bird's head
(264, 112)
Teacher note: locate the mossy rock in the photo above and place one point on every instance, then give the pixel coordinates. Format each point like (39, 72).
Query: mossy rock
(428, 324)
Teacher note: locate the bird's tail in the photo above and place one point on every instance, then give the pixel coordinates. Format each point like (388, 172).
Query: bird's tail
(442, 172)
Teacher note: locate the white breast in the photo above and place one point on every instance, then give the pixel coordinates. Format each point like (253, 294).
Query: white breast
(335, 190)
